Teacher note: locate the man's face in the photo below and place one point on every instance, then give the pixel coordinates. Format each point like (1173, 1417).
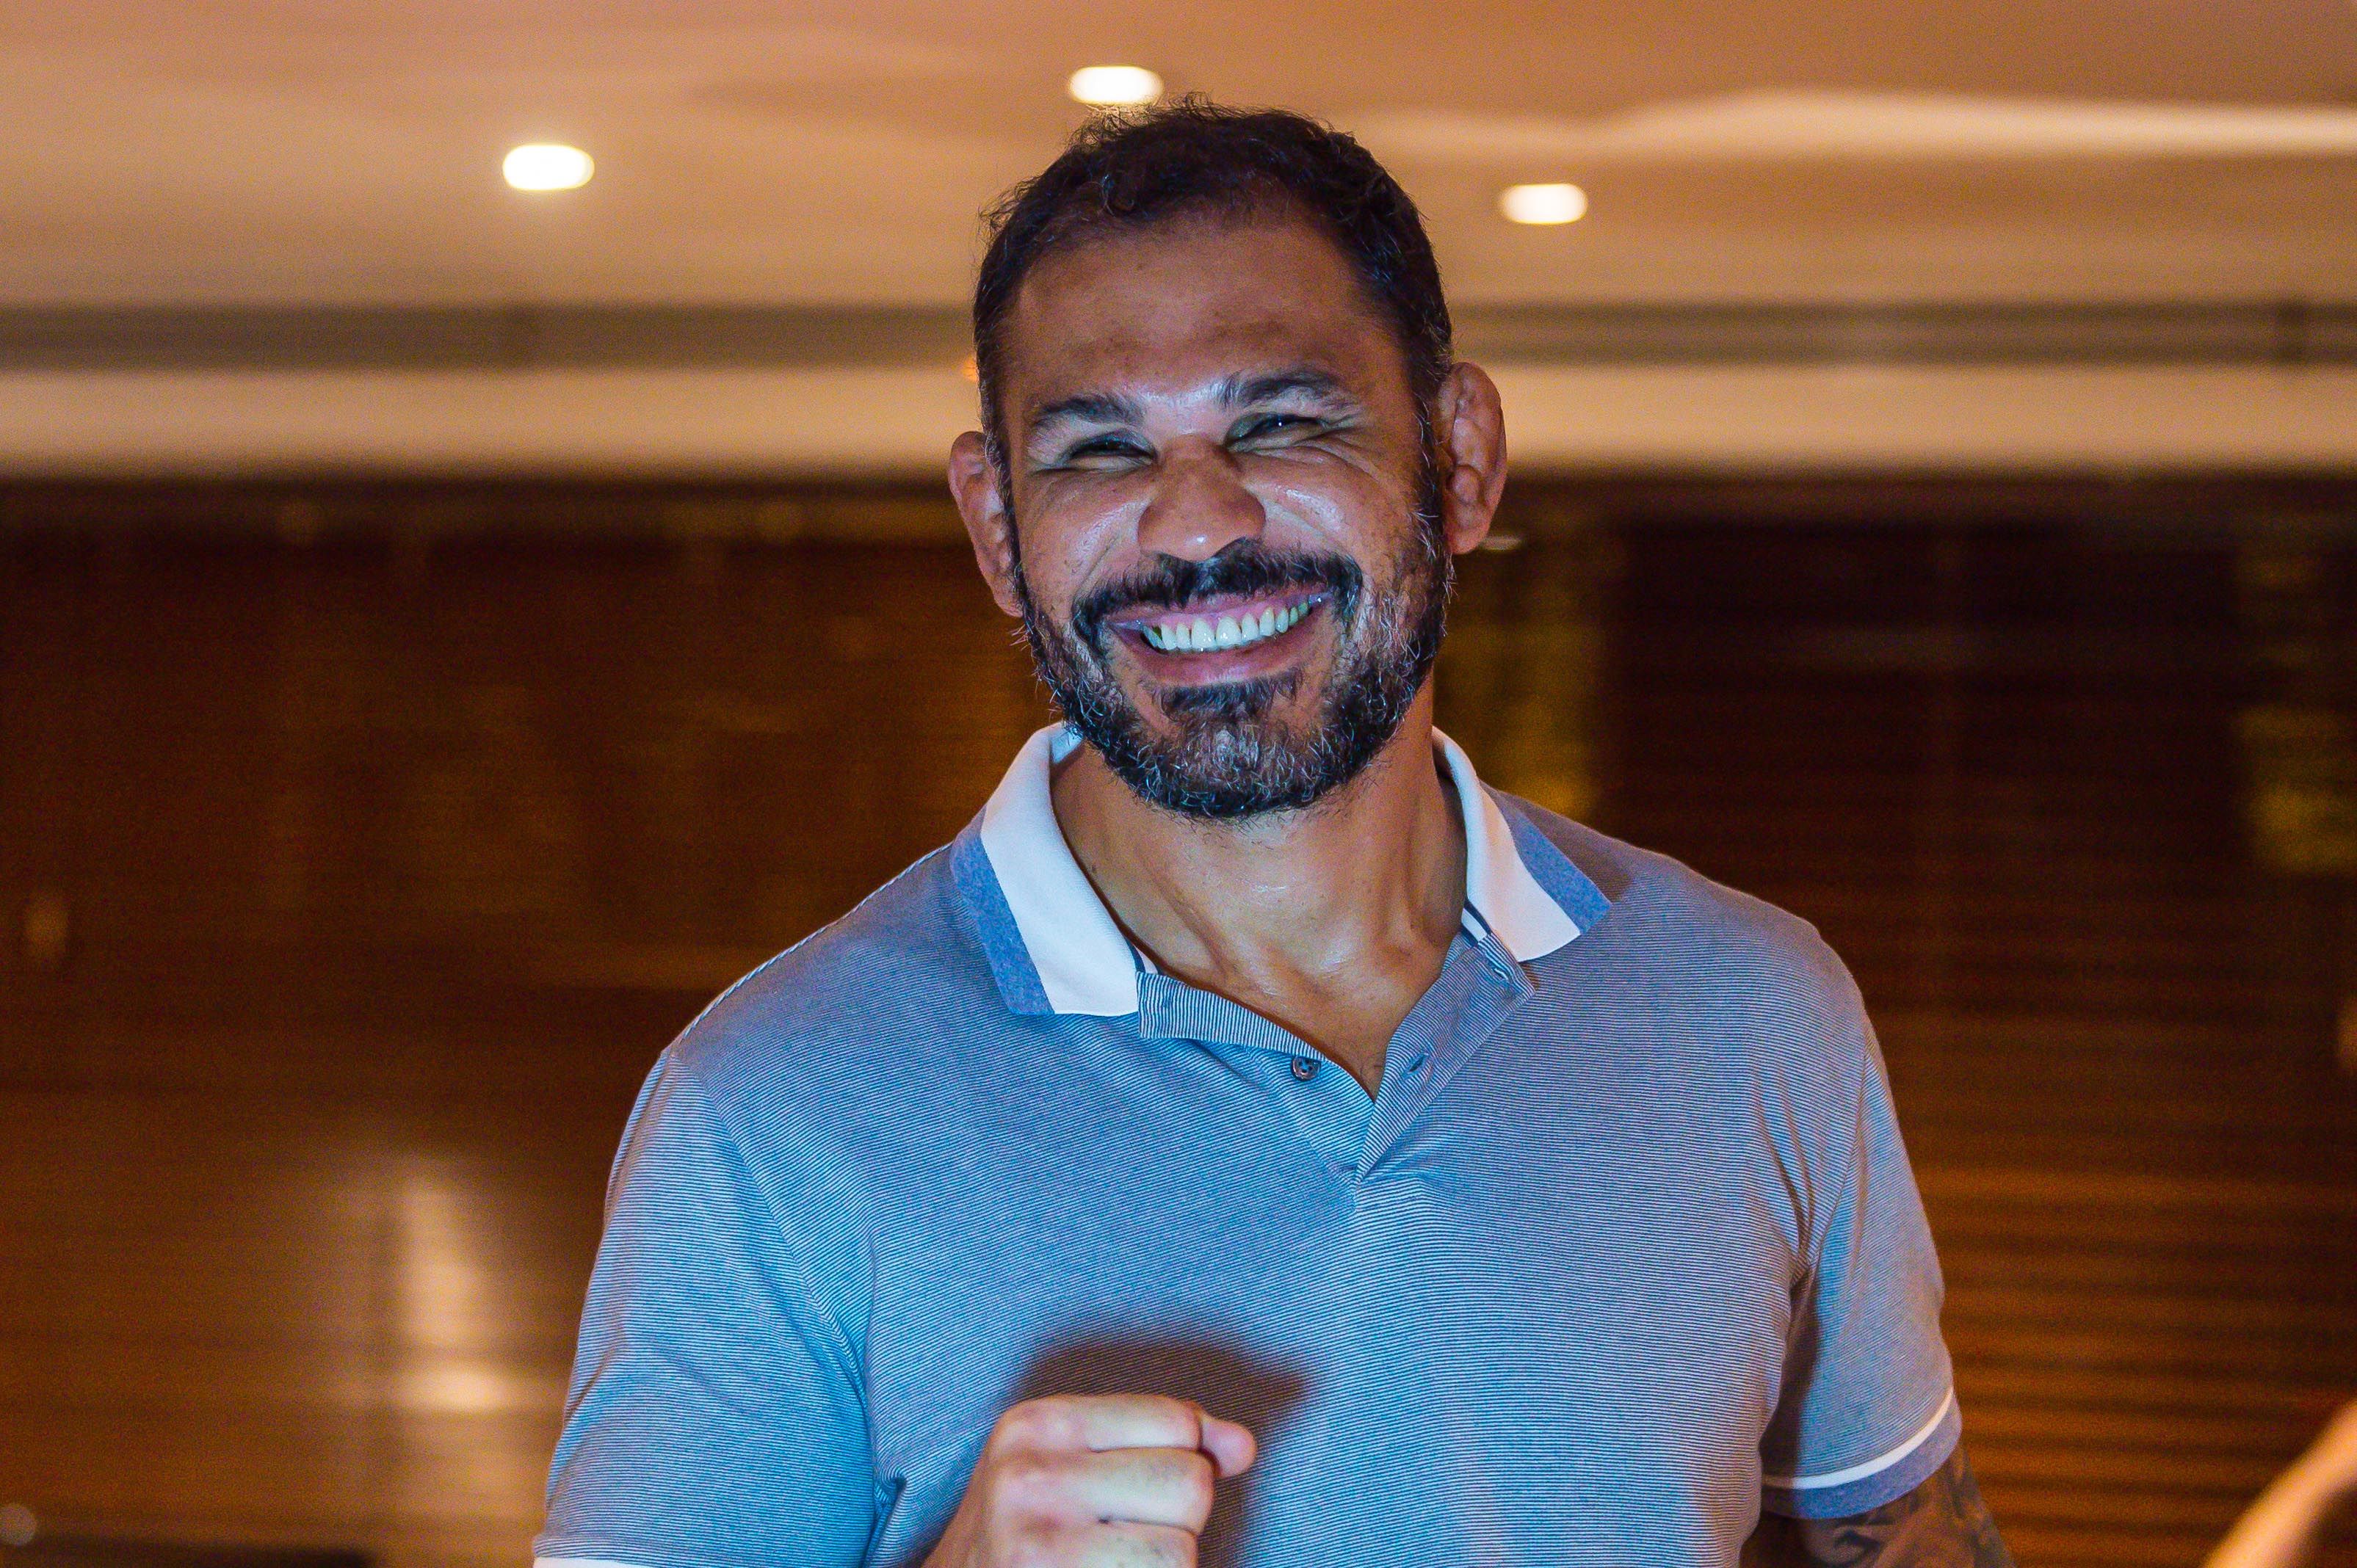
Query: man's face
(1226, 515)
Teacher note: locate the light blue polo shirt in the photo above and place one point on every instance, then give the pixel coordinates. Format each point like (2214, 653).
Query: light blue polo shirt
(1624, 1247)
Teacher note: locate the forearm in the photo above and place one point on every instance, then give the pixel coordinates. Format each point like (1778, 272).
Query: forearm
(2278, 1529)
(1941, 1524)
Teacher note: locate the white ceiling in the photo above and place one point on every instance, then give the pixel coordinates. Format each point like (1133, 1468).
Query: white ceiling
(257, 152)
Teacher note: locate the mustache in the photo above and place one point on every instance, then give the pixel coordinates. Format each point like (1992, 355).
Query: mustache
(1246, 566)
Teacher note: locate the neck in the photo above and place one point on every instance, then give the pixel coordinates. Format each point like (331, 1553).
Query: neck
(1373, 875)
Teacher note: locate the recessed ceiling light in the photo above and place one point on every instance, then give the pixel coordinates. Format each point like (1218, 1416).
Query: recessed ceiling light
(1543, 203)
(1114, 86)
(547, 166)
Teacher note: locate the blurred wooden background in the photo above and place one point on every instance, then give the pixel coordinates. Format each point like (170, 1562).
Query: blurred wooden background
(360, 845)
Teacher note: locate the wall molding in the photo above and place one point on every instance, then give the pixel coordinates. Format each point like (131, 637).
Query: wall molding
(717, 337)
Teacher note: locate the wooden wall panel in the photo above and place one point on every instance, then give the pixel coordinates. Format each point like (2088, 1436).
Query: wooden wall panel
(353, 874)
(2000, 765)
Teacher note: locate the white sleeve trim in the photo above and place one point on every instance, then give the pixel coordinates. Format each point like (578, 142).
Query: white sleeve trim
(1872, 1466)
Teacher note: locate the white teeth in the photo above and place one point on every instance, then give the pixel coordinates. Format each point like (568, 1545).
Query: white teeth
(1201, 636)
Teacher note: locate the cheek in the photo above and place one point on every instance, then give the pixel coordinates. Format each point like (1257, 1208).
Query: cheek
(1074, 536)
(1363, 514)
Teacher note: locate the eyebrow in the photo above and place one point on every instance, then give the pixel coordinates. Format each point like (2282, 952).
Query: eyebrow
(1242, 391)
(1236, 392)
(1086, 408)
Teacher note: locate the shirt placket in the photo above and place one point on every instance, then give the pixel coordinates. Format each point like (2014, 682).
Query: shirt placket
(1478, 984)
(1325, 1102)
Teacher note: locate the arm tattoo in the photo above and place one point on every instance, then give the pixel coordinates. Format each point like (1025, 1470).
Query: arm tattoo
(1941, 1524)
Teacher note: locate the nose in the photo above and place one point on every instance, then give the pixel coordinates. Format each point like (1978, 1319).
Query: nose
(1200, 505)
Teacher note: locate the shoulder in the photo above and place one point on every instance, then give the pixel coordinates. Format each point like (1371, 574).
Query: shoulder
(1666, 908)
(848, 1002)
(1700, 966)
(1736, 1012)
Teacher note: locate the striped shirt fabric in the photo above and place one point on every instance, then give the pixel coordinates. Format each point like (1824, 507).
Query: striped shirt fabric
(1624, 1248)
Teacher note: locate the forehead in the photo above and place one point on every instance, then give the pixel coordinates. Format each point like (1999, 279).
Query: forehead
(1198, 298)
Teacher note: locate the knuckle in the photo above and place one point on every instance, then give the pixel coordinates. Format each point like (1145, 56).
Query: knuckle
(1195, 1483)
(1016, 1424)
(1050, 1421)
(1037, 1546)
(1181, 1412)
(1190, 1421)
(1039, 1422)
(1028, 1482)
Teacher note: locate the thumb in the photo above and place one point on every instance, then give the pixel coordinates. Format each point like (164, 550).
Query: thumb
(1231, 1447)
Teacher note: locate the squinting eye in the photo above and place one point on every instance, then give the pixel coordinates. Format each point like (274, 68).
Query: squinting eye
(1103, 446)
(1272, 424)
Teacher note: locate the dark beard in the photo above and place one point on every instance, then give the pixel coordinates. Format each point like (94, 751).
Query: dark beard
(1224, 757)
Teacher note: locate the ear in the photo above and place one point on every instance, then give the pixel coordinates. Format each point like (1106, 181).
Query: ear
(974, 482)
(1469, 426)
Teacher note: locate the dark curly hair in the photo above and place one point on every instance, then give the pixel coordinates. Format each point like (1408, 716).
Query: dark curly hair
(1139, 170)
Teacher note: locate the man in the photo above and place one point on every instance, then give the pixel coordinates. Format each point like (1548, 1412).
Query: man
(1252, 1140)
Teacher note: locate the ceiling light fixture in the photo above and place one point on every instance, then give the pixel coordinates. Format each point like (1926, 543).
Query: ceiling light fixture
(547, 166)
(1114, 86)
(1543, 203)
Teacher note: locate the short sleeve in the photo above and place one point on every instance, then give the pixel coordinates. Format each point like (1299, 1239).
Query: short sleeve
(1868, 1408)
(715, 1419)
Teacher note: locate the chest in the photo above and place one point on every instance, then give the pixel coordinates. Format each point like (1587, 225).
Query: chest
(1534, 1280)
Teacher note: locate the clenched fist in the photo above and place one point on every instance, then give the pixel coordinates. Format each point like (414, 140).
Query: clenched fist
(1094, 1481)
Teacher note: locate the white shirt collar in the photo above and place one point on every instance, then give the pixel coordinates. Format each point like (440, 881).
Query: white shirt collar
(1086, 965)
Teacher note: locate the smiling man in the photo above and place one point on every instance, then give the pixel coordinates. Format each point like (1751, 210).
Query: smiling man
(1253, 1139)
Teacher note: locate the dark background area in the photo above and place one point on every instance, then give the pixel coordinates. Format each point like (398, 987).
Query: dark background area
(360, 845)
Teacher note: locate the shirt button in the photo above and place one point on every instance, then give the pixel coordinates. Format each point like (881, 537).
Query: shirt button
(1305, 1068)
(1416, 1063)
